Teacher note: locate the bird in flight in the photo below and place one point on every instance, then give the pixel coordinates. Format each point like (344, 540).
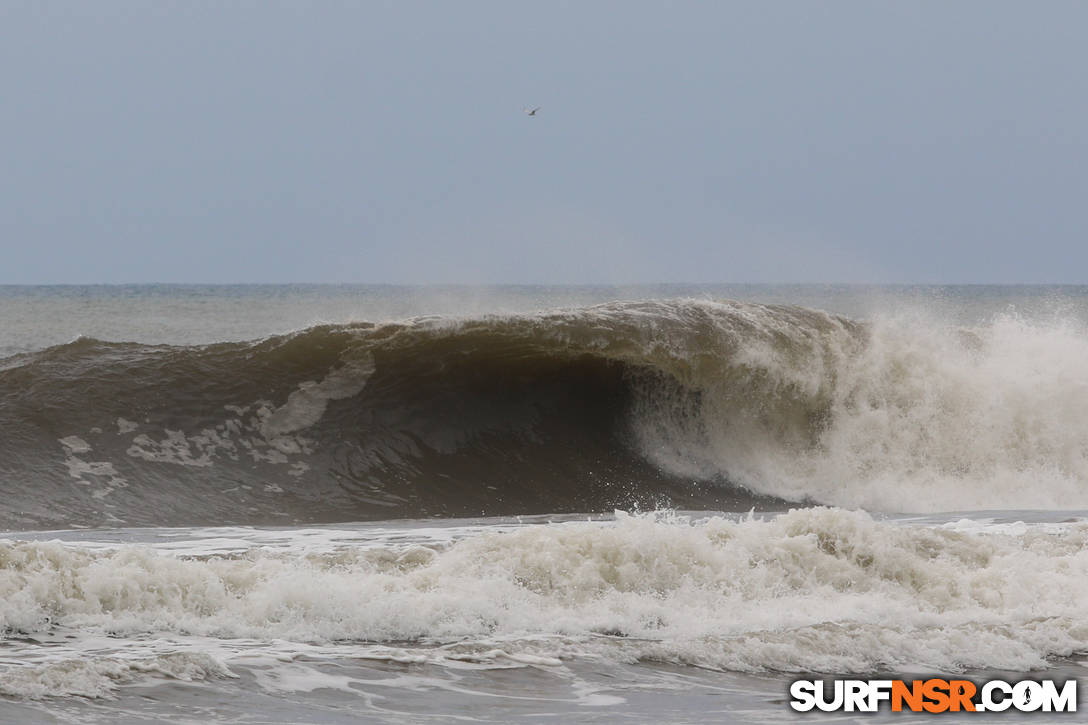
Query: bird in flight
(531, 111)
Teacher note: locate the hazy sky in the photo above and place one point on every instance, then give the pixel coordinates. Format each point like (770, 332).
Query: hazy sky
(386, 142)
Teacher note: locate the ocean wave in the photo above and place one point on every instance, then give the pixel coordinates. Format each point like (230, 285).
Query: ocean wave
(693, 404)
(100, 677)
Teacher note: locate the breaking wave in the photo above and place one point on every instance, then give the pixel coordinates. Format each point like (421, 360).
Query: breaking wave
(692, 404)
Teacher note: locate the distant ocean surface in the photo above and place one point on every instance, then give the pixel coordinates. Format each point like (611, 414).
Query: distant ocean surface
(341, 504)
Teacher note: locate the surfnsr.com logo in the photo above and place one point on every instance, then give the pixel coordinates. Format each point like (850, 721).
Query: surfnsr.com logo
(933, 695)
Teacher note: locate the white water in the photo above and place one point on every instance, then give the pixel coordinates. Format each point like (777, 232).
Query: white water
(916, 415)
(815, 590)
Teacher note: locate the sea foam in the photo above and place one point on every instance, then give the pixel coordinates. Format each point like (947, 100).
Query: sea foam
(814, 590)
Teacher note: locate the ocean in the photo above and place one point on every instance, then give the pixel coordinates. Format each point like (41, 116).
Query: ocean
(660, 504)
